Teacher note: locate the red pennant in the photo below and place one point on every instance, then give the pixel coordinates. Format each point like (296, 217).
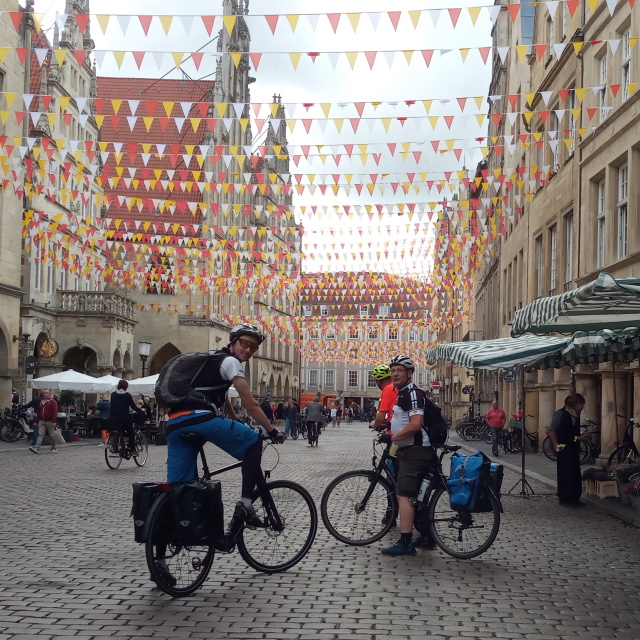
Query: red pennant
(496, 118)
(371, 57)
(80, 55)
(614, 89)
(449, 121)
(394, 16)
(197, 56)
(513, 97)
(591, 112)
(255, 59)
(22, 54)
(462, 103)
(272, 21)
(572, 5)
(514, 9)
(145, 23)
(427, 54)
(208, 23)
(82, 19)
(454, 14)
(484, 52)
(541, 50)
(138, 56)
(98, 103)
(563, 93)
(16, 18)
(334, 19)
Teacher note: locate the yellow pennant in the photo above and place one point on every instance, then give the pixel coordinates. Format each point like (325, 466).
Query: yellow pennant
(352, 56)
(295, 59)
(522, 50)
(177, 58)
(119, 57)
(168, 108)
(292, 19)
(103, 21)
(229, 23)
(354, 19)
(338, 122)
(64, 100)
(60, 55)
(236, 56)
(99, 121)
(474, 12)
(166, 21)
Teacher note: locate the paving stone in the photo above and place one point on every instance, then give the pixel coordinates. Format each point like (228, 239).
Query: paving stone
(550, 574)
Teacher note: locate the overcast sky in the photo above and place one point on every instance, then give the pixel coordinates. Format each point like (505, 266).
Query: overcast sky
(446, 77)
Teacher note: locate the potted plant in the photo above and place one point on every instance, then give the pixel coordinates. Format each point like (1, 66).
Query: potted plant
(623, 475)
(633, 491)
(67, 399)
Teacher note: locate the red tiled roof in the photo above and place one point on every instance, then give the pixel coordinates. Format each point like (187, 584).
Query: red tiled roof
(38, 41)
(150, 91)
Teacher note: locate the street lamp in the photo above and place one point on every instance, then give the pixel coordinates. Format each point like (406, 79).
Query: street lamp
(27, 329)
(143, 351)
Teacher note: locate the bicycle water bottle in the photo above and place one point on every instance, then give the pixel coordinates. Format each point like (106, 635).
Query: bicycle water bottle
(424, 487)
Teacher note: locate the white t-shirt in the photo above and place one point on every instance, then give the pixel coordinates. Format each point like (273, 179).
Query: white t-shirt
(334, 413)
(230, 368)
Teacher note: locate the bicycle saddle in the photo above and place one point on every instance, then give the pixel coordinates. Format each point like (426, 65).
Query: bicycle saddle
(450, 448)
(193, 438)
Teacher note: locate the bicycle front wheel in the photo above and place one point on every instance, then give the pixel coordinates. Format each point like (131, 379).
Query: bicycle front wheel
(462, 534)
(112, 451)
(142, 447)
(291, 520)
(176, 569)
(359, 507)
(303, 430)
(547, 449)
(11, 431)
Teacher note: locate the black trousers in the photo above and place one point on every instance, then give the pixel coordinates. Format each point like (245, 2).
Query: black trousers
(569, 474)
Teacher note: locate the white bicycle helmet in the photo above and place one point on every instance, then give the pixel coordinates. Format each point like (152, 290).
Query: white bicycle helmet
(403, 361)
(246, 329)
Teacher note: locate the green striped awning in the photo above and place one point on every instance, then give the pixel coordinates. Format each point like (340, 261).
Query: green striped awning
(605, 303)
(495, 354)
(622, 345)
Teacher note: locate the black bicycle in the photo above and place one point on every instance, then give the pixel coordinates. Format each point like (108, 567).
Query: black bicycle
(626, 452)
(287, 510)
(116, 448)
(313, 432)
(359, 508)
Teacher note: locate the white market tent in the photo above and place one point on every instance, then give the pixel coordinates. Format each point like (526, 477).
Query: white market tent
(110, 382)
(145, 386)
(68, 380)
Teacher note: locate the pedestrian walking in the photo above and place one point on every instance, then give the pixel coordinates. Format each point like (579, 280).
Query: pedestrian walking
(280, 417)
(315, 419)
(104, 413)
(338, 415)
(290, 413)
(265, 405)
(565, 436)
(33, 406)
(47, 421)
(496, 419)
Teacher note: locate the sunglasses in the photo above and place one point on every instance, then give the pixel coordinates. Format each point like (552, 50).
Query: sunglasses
(247, 344)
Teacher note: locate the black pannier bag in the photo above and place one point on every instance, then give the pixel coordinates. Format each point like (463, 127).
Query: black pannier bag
(198, 513)
(144, 495)
(496, 473)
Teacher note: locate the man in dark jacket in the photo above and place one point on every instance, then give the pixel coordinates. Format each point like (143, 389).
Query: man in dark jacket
(47, 421)
(121, 402)
(565, 436)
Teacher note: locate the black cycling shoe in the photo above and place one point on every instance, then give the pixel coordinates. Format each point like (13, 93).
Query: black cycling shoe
(249, 516)
(163, 570)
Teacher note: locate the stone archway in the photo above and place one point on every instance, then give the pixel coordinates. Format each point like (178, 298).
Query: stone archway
(117, 360)
(287, 388)
(162, 356)
(126, 365)
(81, 359)
(279, 387)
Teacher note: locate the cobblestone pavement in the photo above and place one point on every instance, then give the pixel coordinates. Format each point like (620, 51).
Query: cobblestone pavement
(69, 567)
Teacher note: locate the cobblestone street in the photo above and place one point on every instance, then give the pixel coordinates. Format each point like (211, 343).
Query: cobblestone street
(70, 568)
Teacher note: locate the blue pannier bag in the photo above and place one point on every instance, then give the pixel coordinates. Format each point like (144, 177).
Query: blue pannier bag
(469, 477)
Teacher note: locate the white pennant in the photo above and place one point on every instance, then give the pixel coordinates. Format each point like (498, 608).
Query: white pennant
(374, 18)
(552, 7)
(493, 10)
(81, 103)
(313, 20)
(99, 57)
(133, 106)
(434, 14)
(614, 44)
(187, 23)
(546, 96)
(61, 20)
(502, 52)
(611, 5)
(132, 120)
(41, 54)
(186, 108)
(124, 23)
(333, 58)
(179, 123)
(390, 57)
(558, 48)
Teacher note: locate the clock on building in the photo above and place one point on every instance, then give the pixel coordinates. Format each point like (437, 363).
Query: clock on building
(48, 348)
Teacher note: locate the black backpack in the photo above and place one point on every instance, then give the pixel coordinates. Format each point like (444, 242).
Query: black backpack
(434, 424)
(192, 377)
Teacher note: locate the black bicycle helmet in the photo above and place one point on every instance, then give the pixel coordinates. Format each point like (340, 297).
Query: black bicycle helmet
(246, 329)
(403, 361)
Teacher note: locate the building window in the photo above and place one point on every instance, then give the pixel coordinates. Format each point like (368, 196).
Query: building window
(553, 250)
(63, 275)
(392, 333)
(539, 267)
(329, 378)
(623, 194)
(352, 379)
(413, 335)
(602, 94)
(324, 310)
(373, 333)
(371, 383)
(313, 377)
(553, 142)
(600, 243)
(306, 310)
(354, 332)
(331, 333)
(420, 378)
(314, 334)
(383, 310)
(568, 271)
(38, 266)
(364, 310)
(50, 277)
(626, 65)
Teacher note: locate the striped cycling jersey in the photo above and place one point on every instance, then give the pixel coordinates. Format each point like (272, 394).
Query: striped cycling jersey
(410, 401)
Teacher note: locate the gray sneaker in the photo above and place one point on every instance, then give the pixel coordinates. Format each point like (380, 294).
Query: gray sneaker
(34, 449)
(53, 451)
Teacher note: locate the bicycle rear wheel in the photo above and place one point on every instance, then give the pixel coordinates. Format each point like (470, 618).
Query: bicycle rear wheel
(622, 454)
(11, 430)
(112, 451)
(142, 447)
(294, 431)
(359, 507)
(303, 430)
(176, 569)
(291, 520)
(462, 534)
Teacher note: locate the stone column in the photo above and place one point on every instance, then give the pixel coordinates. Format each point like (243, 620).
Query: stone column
(612, 429)
(546, 409)
(587, 385)
(532, 411)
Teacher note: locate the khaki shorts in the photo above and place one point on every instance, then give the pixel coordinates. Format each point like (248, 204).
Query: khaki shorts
(413, 463)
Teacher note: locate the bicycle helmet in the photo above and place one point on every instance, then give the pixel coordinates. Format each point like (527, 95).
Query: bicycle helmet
(403, 361)
(246, 329)
(381, 372)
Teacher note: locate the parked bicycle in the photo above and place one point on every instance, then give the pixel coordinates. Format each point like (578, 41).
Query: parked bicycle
(299, 428)
(116, 448)
(286, 508)
(14, 426)
(359, 508)
(588, 450)
(626, 452)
